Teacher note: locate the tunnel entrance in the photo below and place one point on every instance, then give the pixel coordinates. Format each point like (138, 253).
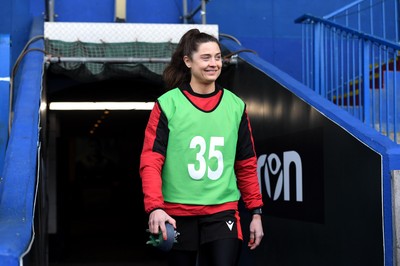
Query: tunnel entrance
(94, 190)
(95, 199)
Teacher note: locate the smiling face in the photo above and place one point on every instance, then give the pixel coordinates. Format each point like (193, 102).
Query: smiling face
(205, 65)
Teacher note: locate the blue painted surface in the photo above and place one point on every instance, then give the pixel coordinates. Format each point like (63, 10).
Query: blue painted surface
(4, 95)
(156, 11)
(84, 11)
(20, 20)
(5, 24)
(20, 167)
(265, 26)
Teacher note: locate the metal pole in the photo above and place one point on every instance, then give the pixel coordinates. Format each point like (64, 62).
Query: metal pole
(51, 10)
(185, 11)
(201, 8)
(203, 11)
(120, 11)
(397, 26)
(396, 213)
(365, 82)
(55, 59)
(5, 112)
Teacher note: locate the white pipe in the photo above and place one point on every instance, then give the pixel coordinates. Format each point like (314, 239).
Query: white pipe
(120, 11)
(56, 59)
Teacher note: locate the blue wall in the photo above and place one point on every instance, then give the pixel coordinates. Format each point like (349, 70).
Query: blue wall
(264, 26)
(15, 20)
(5, 17)
(268, 26)
(84, 11)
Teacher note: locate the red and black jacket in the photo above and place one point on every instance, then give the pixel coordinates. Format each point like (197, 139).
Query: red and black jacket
(154, 151)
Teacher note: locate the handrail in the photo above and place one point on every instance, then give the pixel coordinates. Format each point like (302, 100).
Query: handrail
(14, 70)
(20, 165)
(342, 9)
(375, 17)
(307, 18)
(357, 71)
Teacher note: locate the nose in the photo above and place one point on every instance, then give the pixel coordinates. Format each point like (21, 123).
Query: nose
(212, 62)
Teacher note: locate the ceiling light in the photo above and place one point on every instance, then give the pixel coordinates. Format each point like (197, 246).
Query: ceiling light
(66, 106)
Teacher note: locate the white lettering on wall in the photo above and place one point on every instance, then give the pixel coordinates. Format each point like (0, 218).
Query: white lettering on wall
(273, 166)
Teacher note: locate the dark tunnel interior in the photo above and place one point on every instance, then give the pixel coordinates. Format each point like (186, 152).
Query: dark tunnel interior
(97, 198)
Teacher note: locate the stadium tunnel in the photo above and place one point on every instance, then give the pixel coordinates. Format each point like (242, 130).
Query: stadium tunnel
(96, 209)
(95, 203)
(90, 189)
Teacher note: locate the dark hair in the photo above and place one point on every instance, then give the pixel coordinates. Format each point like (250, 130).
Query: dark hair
(177, 73)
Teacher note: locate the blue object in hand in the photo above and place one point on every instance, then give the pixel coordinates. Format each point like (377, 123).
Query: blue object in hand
(157, 239)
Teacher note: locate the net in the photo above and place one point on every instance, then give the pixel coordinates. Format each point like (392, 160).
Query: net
(122, 63)
(105, 41)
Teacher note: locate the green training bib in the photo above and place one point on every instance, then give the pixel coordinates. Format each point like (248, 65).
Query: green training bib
(200, 157)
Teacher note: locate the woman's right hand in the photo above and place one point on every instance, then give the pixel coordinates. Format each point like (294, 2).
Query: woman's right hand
(157, 220)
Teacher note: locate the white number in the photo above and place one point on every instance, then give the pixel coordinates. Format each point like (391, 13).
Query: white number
(213, 153)
(216, 141)
(198, 174)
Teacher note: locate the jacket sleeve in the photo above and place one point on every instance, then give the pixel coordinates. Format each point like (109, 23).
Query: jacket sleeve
(246, 166)
(152, 159)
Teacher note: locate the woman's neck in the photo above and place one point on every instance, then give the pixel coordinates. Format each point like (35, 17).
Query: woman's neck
(202, 88)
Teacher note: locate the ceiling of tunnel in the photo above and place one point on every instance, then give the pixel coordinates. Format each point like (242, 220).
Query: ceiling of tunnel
(62, 88)
(113, 123)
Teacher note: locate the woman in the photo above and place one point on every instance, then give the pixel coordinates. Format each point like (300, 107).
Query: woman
(198, 159)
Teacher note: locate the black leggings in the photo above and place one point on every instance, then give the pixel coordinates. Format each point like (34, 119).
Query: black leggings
(223, 252)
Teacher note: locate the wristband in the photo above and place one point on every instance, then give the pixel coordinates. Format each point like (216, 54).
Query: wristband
(257, 211)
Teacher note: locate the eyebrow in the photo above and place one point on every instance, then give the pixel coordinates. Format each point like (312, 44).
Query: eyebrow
(210, 54)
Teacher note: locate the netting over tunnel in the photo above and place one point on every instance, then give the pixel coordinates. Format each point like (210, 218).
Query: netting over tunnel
(115, 60)
(90, 52)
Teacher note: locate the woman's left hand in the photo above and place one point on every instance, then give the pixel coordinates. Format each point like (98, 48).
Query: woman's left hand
(256, 232)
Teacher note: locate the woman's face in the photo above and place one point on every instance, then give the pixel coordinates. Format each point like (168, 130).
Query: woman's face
(205, 64)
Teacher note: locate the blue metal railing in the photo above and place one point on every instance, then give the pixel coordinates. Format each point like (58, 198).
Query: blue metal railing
(354, 70)
(375, 17)
(5, 51)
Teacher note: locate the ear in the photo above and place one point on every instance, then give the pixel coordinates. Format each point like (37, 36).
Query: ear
(187, 61)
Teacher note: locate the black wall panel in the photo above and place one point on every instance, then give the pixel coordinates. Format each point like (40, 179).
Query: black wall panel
(321, 186)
